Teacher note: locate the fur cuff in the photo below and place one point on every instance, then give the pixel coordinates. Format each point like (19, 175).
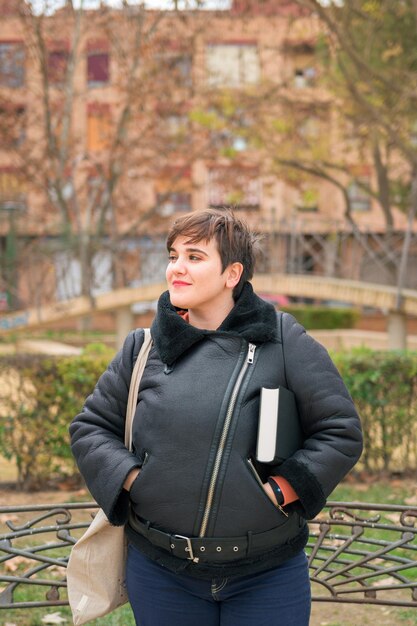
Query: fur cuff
(306, 486)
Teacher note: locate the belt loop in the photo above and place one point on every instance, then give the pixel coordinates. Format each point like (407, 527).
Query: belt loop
(249, 546)
(148, 525)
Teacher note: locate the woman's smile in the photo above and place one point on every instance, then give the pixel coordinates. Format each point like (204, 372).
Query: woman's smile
(180, 283)
(197, 281)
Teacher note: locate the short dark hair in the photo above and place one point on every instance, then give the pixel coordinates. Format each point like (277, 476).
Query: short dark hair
(235, 241)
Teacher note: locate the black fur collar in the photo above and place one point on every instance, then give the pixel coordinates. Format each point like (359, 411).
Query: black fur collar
(251, 318)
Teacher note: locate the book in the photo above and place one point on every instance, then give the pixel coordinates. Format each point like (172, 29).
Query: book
(279, 429)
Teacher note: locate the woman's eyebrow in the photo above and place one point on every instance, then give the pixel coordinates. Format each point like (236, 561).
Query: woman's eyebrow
(172, 249)
(197, 250)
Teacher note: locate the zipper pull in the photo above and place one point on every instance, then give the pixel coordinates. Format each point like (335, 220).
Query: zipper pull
(251, 352)
(279, 507)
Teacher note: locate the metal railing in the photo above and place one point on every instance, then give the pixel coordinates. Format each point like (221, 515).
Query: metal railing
(358, 553)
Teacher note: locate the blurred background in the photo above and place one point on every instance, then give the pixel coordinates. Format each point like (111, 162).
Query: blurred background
(118, 116)
(115, 117)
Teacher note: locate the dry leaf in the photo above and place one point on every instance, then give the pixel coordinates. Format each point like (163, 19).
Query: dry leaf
(53, 618)
(8, 518)
(56, 569)
(14, 563)
(389, 580)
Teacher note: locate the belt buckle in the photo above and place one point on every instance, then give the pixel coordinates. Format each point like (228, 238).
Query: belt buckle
(189, 548)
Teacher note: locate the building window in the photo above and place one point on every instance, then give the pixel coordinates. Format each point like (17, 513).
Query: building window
(97, 192)
(99, 126)
(233, 187)
(359, 200)
(305, 77)
(174, 62)
(174, 202)
(173, 190)
(98, 69)
(150, 266)
(174, 131)
(12, 190)
(57, 62)
(98, 64)
(68, 273)
(308, 201)
(12, 126)
(313, 127)
(12, 64)
(227, 133)
(232, 64)
(179, 68)
(228, 142)
(302, 57)
(176, 126)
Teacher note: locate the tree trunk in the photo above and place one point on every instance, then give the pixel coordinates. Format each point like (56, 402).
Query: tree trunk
(383, 187)
(402, 270)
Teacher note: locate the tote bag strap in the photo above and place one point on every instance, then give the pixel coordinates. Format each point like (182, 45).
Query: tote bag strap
(134, 385)
(281, 345)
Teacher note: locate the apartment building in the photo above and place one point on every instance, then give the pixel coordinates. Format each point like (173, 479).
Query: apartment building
(114, 121)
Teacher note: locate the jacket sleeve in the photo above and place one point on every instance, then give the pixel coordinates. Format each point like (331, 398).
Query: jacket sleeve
(331, 425)
(97, 434)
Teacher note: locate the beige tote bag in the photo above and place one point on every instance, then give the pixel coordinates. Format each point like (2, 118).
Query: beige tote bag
(97, 563)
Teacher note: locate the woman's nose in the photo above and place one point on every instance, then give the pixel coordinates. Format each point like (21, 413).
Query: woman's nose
(179, 266)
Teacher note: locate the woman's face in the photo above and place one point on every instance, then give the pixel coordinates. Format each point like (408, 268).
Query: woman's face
(195, 278)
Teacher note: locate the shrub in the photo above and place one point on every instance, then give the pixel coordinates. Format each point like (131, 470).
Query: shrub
(384, 388)
(39, 396)
(325, 318)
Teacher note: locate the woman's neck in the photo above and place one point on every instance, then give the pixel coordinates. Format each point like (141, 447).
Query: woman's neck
(210, 320)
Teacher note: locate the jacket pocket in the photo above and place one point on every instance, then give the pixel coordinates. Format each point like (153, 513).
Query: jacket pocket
(260, 484)
(135, 488)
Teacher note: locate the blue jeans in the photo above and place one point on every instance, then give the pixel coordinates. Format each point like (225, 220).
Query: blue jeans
(277, 597)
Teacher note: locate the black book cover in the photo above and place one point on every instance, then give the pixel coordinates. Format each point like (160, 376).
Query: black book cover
(279, 430)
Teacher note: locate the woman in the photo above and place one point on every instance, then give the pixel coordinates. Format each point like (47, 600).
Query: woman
(215, 538)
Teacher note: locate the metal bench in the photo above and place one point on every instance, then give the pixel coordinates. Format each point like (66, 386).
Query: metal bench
(358, 553)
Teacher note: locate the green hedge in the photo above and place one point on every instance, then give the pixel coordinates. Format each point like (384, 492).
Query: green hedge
(384, 388)
(323, 318)
(40, 395)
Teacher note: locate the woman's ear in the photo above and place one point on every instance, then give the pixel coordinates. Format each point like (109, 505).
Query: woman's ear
(233, 274)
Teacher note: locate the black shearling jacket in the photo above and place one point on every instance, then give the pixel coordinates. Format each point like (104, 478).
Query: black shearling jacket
(185, 399)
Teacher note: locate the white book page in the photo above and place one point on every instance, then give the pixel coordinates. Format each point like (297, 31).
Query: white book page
(268, 423)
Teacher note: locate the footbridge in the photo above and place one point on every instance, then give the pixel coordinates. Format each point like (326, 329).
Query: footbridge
(397, 305)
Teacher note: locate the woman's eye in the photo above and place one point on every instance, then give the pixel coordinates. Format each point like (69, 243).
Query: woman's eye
(171, 258)
(193, 257)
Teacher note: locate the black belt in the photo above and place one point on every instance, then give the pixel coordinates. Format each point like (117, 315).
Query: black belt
(217, 549)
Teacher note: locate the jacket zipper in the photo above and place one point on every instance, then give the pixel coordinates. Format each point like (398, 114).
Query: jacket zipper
(223, 439)
(145, 459)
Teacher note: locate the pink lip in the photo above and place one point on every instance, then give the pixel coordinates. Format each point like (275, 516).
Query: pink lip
(180, 283)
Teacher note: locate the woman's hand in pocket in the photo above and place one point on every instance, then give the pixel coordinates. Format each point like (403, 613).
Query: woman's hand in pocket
(268, 490)
(131, 477)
